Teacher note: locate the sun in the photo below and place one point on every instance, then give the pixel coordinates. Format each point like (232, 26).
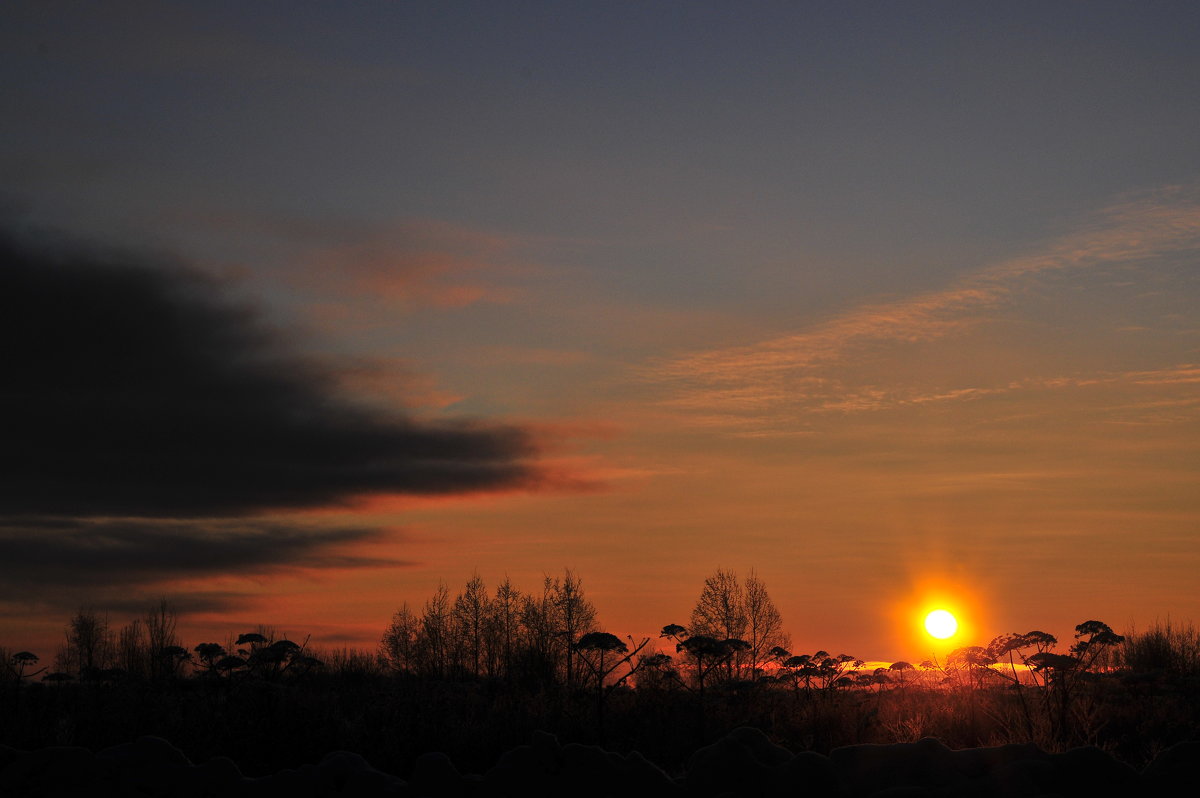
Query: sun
(941, 624)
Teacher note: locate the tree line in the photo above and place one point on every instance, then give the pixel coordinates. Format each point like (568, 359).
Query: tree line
(552, 636)
(502, 661)
(542, 634)
(538, 636)
(146, 647)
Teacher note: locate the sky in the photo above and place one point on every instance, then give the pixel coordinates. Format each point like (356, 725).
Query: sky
(309, 307)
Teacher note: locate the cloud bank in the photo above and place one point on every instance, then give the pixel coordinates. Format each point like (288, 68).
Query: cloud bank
(139, 391)
(149, 419)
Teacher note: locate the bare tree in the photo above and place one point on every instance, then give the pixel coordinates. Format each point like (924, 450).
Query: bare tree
(398, 648)
(89, 646)
(539, 625)
(720, 613)
(437, 632)
(506, 621)
(511, 635)
(764, 624)
(162, 621)
(470, 618)
(576, 617)
(133, 654)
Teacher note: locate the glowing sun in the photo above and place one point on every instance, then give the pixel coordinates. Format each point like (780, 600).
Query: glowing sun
(941, 624)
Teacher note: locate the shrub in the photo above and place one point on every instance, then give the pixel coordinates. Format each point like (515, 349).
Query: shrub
(1164, 647)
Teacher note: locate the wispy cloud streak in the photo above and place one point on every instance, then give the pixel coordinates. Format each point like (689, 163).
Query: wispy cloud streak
(757, 385)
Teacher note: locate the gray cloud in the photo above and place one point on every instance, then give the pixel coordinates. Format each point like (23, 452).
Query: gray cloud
(136, 390)
(49, 554)
(22, 601)
(151, 424)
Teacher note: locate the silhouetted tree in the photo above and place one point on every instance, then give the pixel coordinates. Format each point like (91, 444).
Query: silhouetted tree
(172, 659)
(470, 618)
(706, 653)
(972, 661)
(656, 671)
(900, 668)
(819, 671)
(1063, 673)
(89, 648)
(398, 648)
(209, 654)
(736, 646)
(162, 621)
(253, 642)
(21, 661)
(264, 656)
(720, 612)
(437, 632)
(539, 625)
(832, 672)
(1094, 641)
(576, 616)
(516, 636)
(764, 625)
(133, 653)
(229, 664)
(674, 631)
(878, 678)
(800, 671)
(506, 623)
(1015, 645)
(275, 658)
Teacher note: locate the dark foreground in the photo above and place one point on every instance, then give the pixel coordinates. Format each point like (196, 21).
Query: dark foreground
(743, 763)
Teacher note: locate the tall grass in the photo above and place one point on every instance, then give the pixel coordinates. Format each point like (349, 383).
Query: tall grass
(1166, 647)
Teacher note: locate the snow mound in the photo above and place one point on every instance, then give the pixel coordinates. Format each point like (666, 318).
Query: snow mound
(743, 763)
(746, 763)
(544, 768)
(929, 768)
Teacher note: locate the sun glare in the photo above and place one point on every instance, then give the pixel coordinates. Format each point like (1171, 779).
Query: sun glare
(941, 624)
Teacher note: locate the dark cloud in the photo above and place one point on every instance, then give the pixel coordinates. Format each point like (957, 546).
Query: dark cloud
(122, 600)
(138, 602)
(156, 430)
(51, 555)
(137, 389)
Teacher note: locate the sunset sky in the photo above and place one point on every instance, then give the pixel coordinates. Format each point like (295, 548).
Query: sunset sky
(306, 307)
